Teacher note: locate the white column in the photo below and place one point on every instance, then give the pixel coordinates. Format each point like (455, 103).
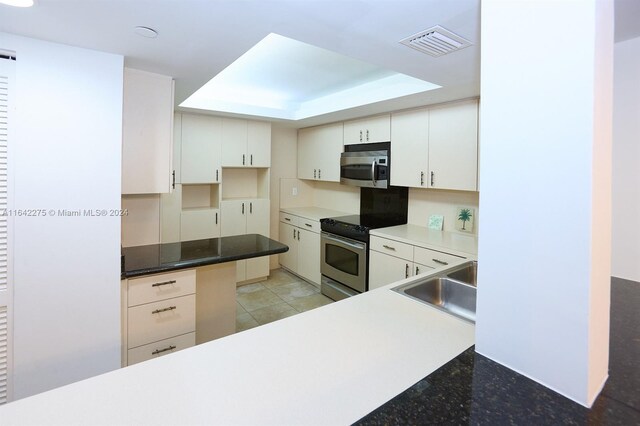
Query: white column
(545, 174)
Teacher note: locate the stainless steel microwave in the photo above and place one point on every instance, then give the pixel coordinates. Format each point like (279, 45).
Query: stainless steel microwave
(365, 168)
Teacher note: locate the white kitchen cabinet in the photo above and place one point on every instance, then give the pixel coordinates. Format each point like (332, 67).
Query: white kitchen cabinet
(147, 132)
(319, 150)
(247, 216)
(201, 149)
(170, 213)
(368, 130)
(391, 261)
(199, 224)
(177, 150)
(159, 315)
(410, 148)
(302, 235)
(453, 146)
(246, 143)
(436, 147)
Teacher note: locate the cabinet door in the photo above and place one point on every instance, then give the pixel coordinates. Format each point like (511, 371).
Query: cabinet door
(177, 148)
(198, 224)
(257, 267)
(233, 217)
(354, 132)
(259, 143)
(257, 212)
(287, 236)
(234, 143)
(378, 129)
(420, 269)
(385, 269)
(170, 210)
(410, 148)
(201, 146)
(327, 150)
(309, 255)
(147, 132)
(453, 147)
(306, 153)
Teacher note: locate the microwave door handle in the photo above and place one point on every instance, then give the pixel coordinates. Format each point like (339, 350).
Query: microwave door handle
(373, 172)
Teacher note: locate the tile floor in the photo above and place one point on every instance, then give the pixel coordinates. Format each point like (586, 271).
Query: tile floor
(281, 296)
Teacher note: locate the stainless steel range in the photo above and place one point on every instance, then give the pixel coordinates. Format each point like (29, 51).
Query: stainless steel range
(345, 240)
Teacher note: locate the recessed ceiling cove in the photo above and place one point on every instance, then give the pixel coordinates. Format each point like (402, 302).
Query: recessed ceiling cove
(286, 79)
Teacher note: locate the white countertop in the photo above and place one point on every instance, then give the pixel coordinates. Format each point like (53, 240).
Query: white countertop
(451, 242)
(331, 365)
(313, 213)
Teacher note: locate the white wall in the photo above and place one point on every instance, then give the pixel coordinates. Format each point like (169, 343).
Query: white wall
(426, 202)
(544, 244)
(626, 161)
(67, 155)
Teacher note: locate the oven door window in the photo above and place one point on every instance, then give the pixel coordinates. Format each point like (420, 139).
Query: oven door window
(342, 259)
(356, 171)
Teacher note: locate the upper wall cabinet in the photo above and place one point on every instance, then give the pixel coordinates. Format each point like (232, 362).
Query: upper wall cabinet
(436, 147)
(147, 133)
(453, 147)
(246, 143)
(201, 141)
(319, 150)
(368, 130)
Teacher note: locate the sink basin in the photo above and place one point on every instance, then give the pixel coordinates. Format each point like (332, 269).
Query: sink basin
(452, 296)
(467, 273)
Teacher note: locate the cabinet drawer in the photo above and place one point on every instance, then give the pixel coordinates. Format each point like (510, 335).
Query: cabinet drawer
(161, 320)
(433, 258)
(158, 349)
(394, 248)
(154, 288)
(309, 225)
(289, 218)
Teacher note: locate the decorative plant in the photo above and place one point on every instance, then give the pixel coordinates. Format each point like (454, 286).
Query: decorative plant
(464, 215)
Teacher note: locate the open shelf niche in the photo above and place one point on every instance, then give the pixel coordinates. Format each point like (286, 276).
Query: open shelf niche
(245, 183)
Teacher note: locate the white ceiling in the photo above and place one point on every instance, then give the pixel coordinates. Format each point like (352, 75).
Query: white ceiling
(199, 38)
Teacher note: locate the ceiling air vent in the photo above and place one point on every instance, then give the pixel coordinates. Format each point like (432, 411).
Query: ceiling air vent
(436, 41)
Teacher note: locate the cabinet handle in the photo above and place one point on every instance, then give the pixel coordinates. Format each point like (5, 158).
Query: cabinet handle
(242, 208)
(251, 159)
(319, 172)
(157, 311)
(310, 226)
(314, 173)
(243, 159)
(440, 261)
(432, 174)
(216, 218)
(287, 219)
(367, 135)
(294, 234)
(417, 270)
(389, 247)
(217, 179)
(159, 351)
(360, 135)
(406, 270)
(163, 283)
(251, 208)
(173, 179)
(421, 178)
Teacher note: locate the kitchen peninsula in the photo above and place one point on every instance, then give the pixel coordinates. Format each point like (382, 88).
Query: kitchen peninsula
(176, 295)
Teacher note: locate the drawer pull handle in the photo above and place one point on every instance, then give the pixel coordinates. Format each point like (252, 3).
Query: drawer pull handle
(157, 311)
(163, 283)
(389, 247)
(159, 351)
(440, 262)
(287, 219)
(310, 226)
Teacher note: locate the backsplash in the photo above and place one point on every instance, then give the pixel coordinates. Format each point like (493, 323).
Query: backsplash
(426, 202)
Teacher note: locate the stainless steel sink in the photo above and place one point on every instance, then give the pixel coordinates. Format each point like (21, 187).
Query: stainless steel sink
(467, 273)
(445, 293)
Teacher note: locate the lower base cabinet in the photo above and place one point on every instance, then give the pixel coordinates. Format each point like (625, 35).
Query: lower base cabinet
(385, 269)
(164, 313)
(303, 238)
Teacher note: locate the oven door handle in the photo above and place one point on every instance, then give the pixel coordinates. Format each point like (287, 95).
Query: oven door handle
(373, 172)
(331, 237)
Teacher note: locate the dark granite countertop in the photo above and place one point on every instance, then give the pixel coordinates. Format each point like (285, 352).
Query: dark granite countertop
(157, 258)
(472, 389)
